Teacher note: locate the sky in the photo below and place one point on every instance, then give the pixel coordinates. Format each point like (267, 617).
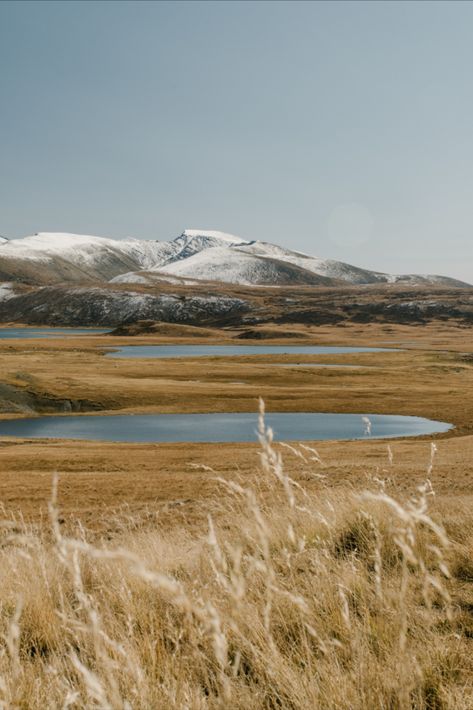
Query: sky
(342, 129)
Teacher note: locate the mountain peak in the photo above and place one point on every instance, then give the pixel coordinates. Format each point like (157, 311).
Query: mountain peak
(212, 234)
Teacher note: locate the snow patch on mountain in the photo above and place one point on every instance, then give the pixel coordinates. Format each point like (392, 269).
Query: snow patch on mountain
(193, 241)
(44, 246)
(316, 265)
(6, 291)
(212, 234)
(230, 265)
(131, 277)
(423, 279)
(217, 264)
(83, 249)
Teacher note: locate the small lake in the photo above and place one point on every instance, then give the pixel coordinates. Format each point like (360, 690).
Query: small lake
(172, 351)
(13, 333)
(220, 427)
(317, 364)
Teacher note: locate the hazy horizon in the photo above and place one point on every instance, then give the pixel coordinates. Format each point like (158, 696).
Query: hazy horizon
(338, 129)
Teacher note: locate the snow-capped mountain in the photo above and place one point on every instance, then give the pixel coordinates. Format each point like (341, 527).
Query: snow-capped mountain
(3, 240)
(51, 257)
(195, 255)
(263, 263)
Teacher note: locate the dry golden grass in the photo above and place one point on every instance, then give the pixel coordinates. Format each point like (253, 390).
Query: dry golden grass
(156, 582)
(294, 597)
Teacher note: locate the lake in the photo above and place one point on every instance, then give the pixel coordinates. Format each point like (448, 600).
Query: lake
(317, 364)
(13, 333)
(219, 427)
(172, 351)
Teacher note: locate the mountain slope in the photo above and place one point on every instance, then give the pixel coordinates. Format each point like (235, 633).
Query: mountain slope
(50, 257)
(262, 263)
(233, 266)
(324, 267)
(339, 269)
(73, 305)
(234, 306)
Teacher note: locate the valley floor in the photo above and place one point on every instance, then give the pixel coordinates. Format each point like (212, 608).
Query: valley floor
(431, 376)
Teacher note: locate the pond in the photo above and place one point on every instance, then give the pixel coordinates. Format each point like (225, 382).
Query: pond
(172, 351)
(219, 427)
(317, 364)
(13, 333)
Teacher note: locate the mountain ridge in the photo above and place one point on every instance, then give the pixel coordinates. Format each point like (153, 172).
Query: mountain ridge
(195, 255)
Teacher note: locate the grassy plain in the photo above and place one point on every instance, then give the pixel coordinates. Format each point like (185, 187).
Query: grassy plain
(430, 377)
(223, 576)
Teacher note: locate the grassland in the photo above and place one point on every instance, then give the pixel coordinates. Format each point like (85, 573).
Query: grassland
(224, 576)
(431, 378)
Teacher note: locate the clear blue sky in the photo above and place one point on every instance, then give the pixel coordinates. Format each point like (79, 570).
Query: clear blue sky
(341, 129)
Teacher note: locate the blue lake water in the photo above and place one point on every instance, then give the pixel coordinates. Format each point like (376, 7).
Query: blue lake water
(221, 427)
(172, 351)
(318, 364)
(12, 333)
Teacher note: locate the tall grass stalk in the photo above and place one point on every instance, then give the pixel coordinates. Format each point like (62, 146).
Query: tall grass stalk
(292, 598)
